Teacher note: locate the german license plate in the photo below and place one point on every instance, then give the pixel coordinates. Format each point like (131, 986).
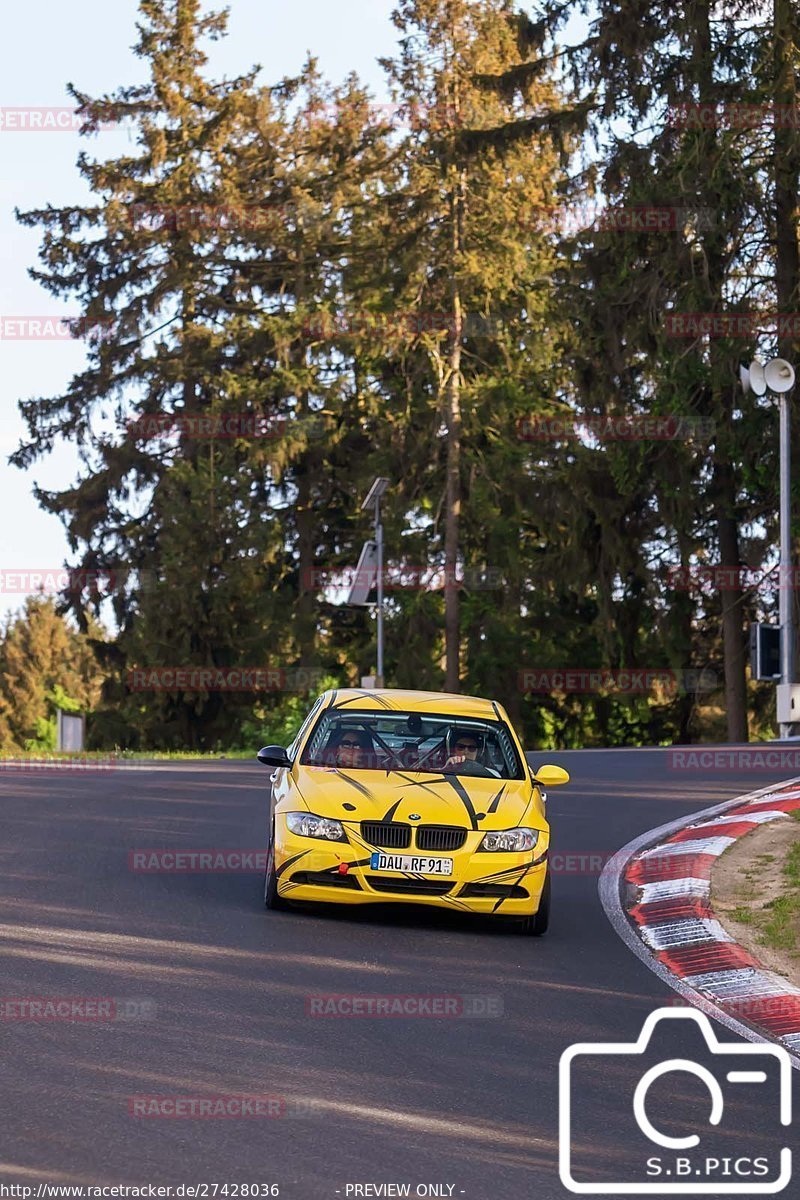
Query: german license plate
(411, 862)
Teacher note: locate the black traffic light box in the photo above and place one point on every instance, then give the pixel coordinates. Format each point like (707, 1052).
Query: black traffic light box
(765, 651)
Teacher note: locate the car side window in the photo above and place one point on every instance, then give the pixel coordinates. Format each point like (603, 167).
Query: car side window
(313, 751)
(512, 767)
(293, 748)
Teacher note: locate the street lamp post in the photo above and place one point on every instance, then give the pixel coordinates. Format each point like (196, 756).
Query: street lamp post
(779, 376)
(786, 591)
(379, 543)
(374, 497)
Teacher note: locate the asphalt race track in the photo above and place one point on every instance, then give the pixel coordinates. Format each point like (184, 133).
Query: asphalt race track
(470, 1103)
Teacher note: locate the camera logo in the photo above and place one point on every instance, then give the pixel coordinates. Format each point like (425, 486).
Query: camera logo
(693, 1164)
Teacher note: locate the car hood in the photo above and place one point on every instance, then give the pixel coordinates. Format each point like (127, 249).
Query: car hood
(465, 801)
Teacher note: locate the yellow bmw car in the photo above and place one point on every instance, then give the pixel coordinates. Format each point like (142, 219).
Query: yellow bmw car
(396, 797)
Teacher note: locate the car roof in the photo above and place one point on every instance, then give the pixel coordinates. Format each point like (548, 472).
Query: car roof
(397, 699)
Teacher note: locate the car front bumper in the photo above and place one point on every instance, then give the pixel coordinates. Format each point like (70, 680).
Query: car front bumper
(311, 870)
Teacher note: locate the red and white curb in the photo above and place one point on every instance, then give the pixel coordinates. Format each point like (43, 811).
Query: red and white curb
(655, 892)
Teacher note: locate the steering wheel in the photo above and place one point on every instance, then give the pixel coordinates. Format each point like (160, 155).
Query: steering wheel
(471, 768)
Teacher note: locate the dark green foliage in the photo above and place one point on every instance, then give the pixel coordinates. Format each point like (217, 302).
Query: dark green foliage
(395, 299)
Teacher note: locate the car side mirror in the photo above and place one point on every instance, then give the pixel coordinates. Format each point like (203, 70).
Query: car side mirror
(551, 776)
(274, 756)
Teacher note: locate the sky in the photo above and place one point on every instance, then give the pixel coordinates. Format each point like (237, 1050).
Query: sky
(46, 45)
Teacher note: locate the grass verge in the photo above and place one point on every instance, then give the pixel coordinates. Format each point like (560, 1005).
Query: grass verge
(756, 892)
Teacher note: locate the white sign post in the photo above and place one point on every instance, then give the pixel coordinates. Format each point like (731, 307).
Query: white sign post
(71, 731)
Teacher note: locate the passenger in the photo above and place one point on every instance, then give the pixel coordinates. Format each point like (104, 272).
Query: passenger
(350, 749)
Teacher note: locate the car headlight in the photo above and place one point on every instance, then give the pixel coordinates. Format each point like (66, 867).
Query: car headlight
(514, 840)
(309, 825)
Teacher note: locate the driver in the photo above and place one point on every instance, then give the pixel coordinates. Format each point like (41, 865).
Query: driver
(464, 747)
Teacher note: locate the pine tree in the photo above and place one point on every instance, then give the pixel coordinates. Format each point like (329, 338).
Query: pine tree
(176, 258)
(461, 283)
(44, 663)
(331, 149)
(651, 77)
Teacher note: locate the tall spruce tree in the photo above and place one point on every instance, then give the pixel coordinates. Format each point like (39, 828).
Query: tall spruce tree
(194, 256)
(462, 285)
(653, 78)
(149, 263)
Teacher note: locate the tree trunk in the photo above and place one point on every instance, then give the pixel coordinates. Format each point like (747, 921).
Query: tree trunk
(453, 497)
(306, 614)
(681, 615)
(722, 386)
(734, 644)
(453, 506)
(452, 629)
(305, 518)
(786, 169)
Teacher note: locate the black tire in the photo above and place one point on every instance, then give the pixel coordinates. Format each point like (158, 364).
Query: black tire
(272, 898)
(539, 922)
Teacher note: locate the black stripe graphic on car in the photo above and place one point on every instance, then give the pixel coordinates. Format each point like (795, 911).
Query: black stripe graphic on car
(497, 799)
(354, 835)
(464, 798)
(354, 783)
(426, 787)
(495, 876)
(501, 876)
(290, 861)
(512, 885)
(381, 701)
(392, 810)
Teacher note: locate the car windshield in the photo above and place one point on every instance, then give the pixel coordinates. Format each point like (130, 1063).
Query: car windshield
(410, 741)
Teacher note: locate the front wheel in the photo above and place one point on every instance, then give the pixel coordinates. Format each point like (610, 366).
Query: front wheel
(272, 897)
(538, 924)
